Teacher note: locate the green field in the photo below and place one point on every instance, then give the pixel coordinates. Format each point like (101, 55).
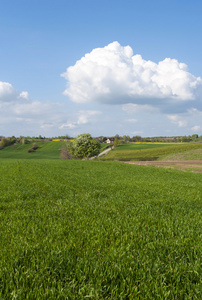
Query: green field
(142, 152)
(133, 146)
(99, 230)
(48, 150)
(194, 154)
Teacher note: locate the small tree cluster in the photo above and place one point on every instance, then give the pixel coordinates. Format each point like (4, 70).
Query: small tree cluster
(33, 148)
(7, 142)
(24, 141)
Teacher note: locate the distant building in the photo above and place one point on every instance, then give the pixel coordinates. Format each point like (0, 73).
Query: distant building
(110, 140)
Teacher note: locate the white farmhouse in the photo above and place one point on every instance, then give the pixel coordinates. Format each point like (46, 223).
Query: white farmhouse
(110, 140)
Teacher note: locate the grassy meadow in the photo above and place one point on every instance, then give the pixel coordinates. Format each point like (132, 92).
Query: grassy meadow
(140, 146)
(47, 150)
(98, 230)
(143, 152)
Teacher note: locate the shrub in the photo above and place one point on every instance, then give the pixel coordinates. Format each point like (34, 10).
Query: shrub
(4, 143)
(35, 146)
(30, 150)
(115, 142)
(65, 154)
(84, 146)
(24, 141)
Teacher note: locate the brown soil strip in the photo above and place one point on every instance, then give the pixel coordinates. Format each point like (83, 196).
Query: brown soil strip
(184, 165)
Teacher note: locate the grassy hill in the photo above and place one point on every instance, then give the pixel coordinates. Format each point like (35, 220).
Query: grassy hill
(140, 146)
(143, 152)
(194, 154)
(49, 150)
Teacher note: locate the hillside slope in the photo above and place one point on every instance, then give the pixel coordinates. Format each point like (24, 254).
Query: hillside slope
(48, 150)
(153, 154)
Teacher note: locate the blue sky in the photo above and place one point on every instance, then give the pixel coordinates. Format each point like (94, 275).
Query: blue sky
(103, 67)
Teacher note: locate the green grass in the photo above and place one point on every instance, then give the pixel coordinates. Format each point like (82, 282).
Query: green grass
(188, 155)
(103, 146)
(130, 146)
(46, 150)
(146, 153)
(98, 230)
(49, 150)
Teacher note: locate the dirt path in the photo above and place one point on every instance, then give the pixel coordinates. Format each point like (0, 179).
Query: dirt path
(102, 153)
(184, 165)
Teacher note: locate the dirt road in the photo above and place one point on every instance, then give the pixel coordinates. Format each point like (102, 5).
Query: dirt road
(102, 153)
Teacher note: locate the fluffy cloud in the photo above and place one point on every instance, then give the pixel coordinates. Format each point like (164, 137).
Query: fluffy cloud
(19, 114)
(131, 108)
(196, 128)
(24, 95)
(113, 75)
(33, 117)
(9, 94)
(83, 118)
(132, 120)
(176, 119)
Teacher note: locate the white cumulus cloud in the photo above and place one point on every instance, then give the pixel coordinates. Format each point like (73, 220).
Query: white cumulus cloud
(196, 128)
(24, 95)
(113, 75)
(20, 115)
(83, 117)
(176, 119)
(9, 94)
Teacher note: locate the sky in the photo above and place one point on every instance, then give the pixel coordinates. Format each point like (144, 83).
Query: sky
(102, 67)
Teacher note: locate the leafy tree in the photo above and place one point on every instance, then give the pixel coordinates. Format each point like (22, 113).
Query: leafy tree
(35, 146)
(84, 146)
(185, 139)
(137, 138)
(115, 142)
(24, 141)
(13, 140)
(101, 139)
(126, 138)
(194, 136)
(4, 142)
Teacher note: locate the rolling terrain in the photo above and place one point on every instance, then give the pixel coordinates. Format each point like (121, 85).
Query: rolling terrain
(153, 152)
(47, 150)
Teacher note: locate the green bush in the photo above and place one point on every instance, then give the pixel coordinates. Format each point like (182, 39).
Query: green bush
(84, 146)
(30, 150)
(35, 146)
(4, 143)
